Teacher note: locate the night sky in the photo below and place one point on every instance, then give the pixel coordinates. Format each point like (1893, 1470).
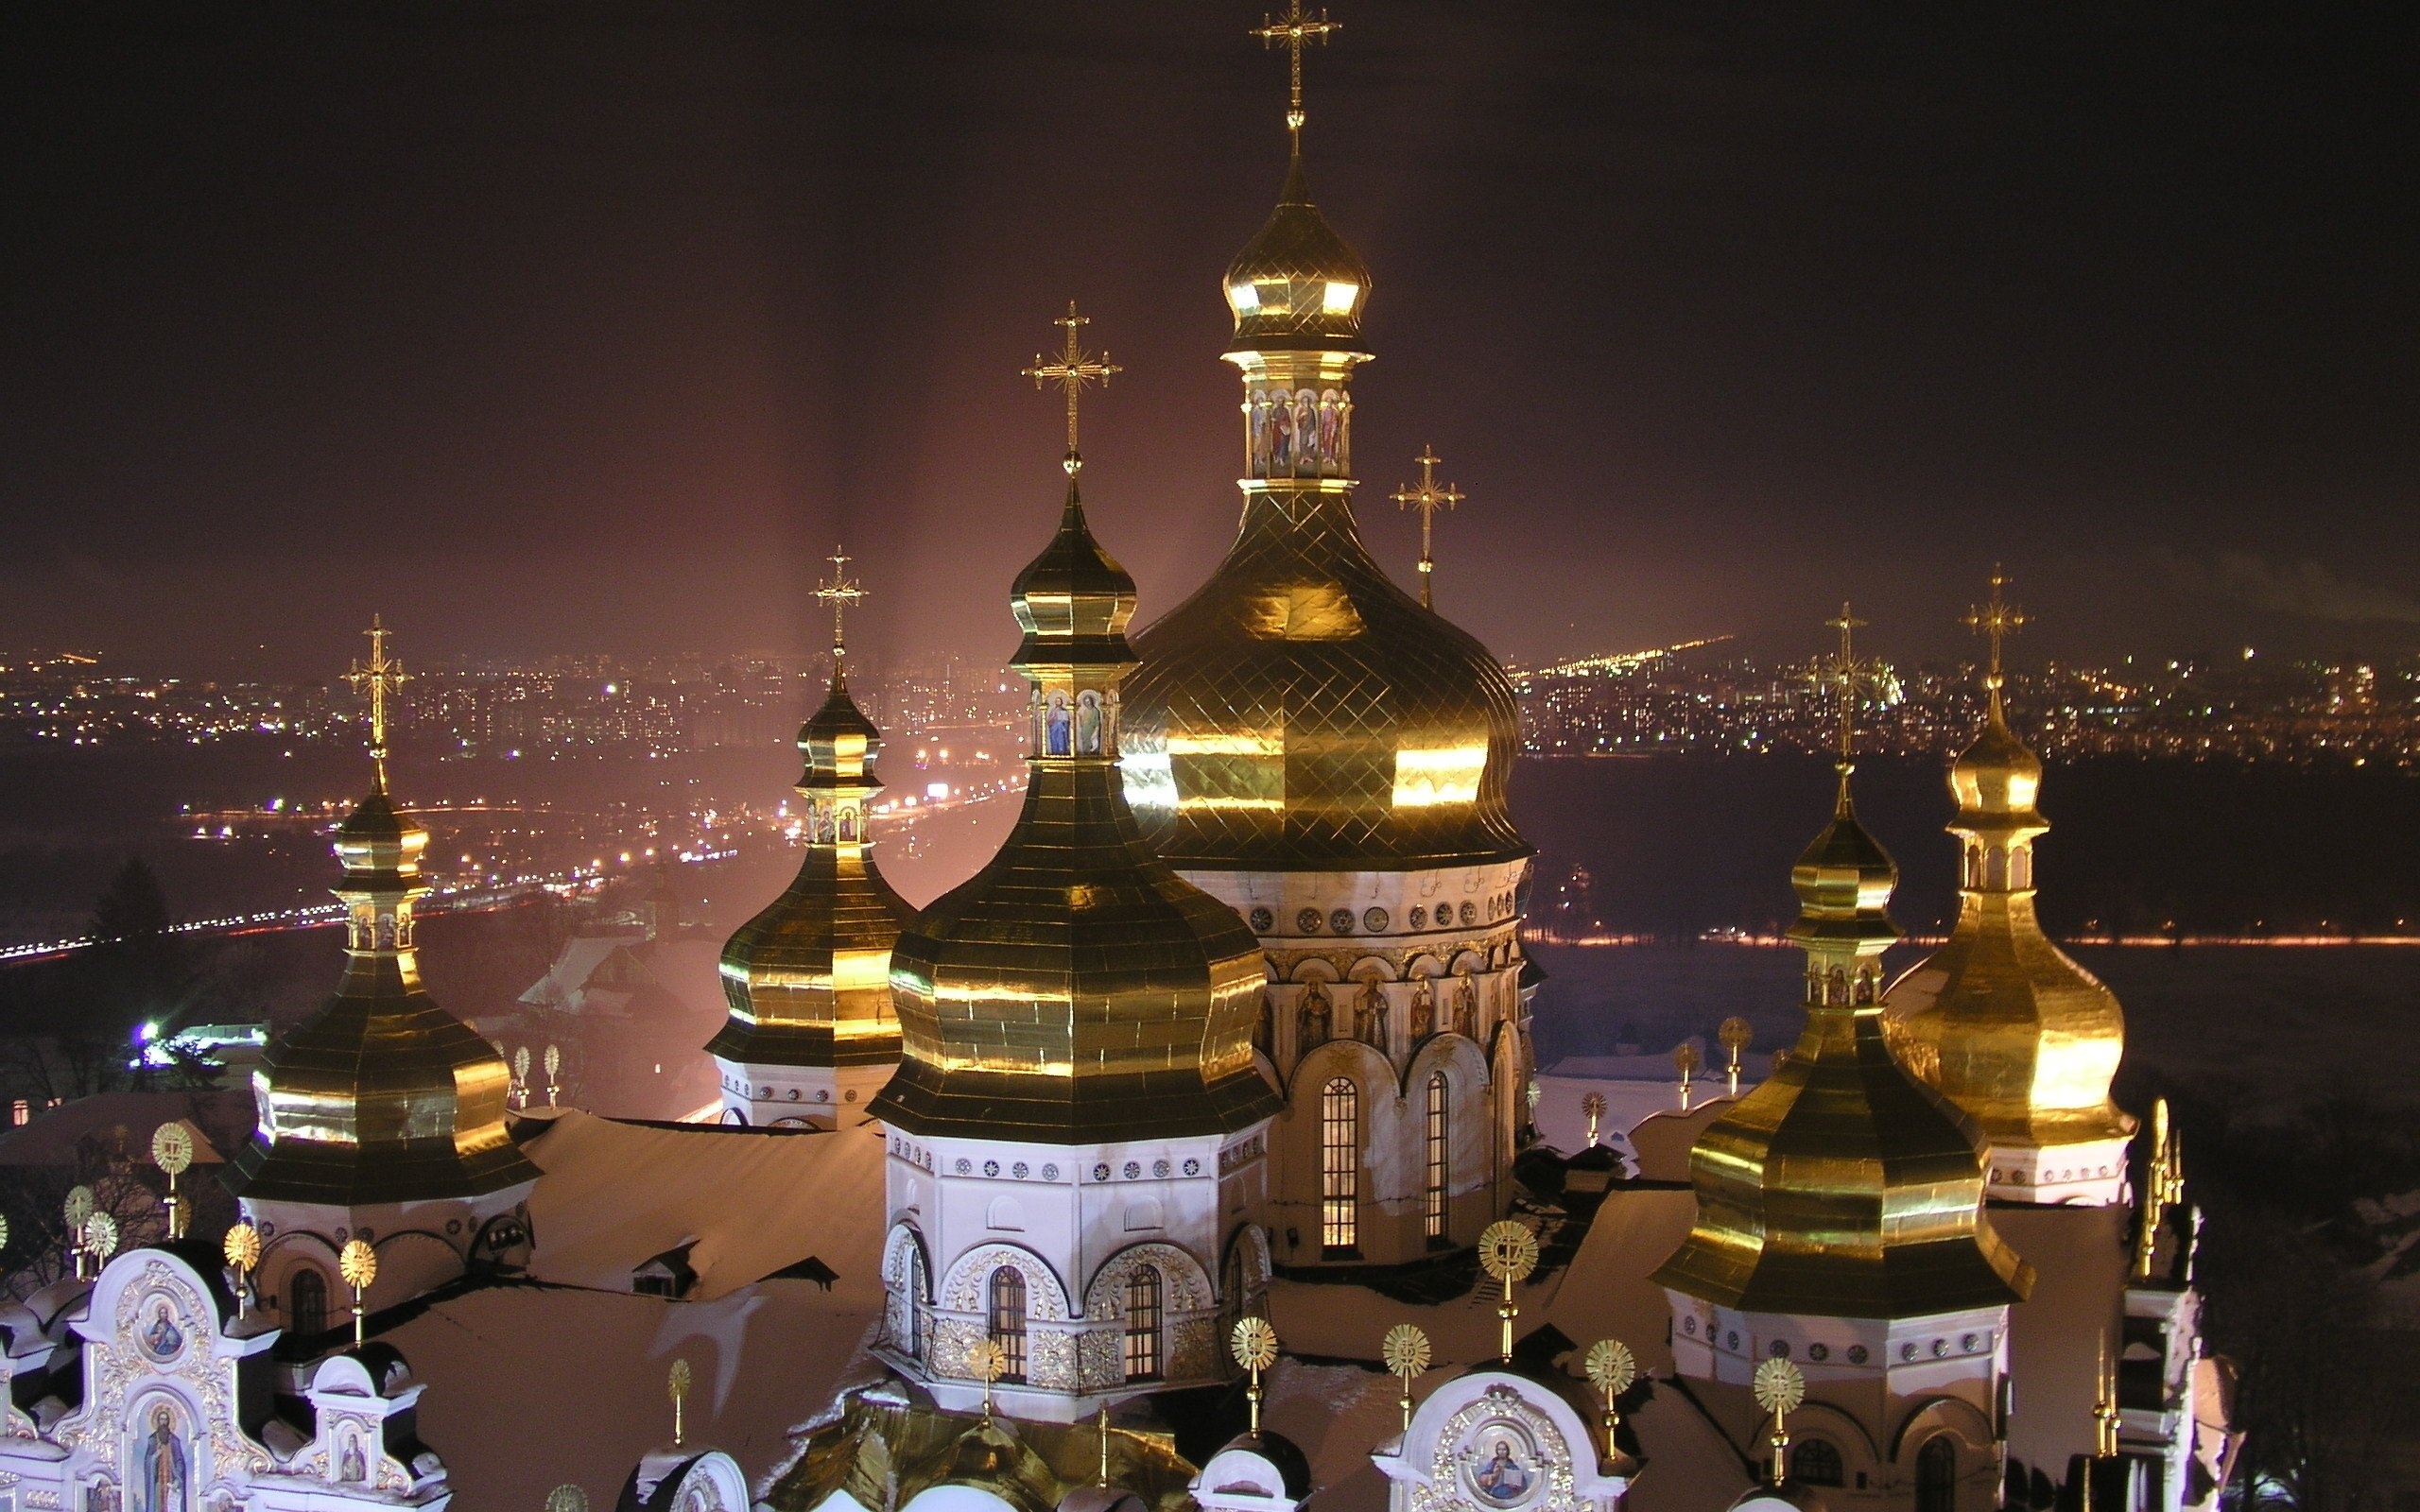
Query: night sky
(562, 327)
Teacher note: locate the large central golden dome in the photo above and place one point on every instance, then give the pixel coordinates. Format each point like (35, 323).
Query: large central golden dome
(1300, 711)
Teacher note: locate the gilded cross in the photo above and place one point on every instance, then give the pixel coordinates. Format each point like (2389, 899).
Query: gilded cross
(1846, 677)
(1997, 619)
(1294, 28)
(378, 677)
(1428, 498)
(1073, 369)
(839, 593)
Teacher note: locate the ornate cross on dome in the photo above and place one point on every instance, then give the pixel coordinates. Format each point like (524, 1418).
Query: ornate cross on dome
(1846, 677)
(839, 593)
(1428, 498)
(1998, 619)
(377, 677)
(1294, 28)
(1073, 369)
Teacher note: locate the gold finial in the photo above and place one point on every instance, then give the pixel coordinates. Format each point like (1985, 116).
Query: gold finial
(1508, 1251)
(1996, 620)
(1294, 28)
(2105, 1403)
(2155, 1195)
(1779, 1390)
(377, 677)
(78, 1207)
(101, 1236)
(676, 1385)
(1611, 1370)
(990, 1362)
(1101, 1431)
(358, 1264)
(1428, 498)
(1073, 369)
(1254, 1347)
(172, 1152)
(554, 1068)
(842, 590)
(1735, 1035)
(1686, 1061)
(1594, 1106)
(1406, 1351)
(242, 1248)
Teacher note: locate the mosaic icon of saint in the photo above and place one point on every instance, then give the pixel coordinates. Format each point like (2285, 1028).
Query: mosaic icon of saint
(162, 1338)
(167, 1473)
(1424, 1008)
(1316, 1015)
(1088, 723)
(1056, 729)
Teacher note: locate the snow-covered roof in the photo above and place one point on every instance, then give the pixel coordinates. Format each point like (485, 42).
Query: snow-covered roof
(616, 1195)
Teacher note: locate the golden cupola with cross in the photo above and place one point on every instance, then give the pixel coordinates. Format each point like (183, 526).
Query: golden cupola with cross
(382, 1102)
(1075, 990)
(2000, 1019)
(1840, 1187)
(1300, 710)
(811, 1036)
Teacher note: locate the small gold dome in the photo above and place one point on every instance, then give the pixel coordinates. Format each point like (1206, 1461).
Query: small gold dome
(1076, 989)
(2000, 1019)
(382, 1096)
(808, 979)
(1840, 1186)
(1297, 285)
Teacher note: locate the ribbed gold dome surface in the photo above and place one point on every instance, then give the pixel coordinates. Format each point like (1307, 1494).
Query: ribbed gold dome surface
(1840, 1186)
(808, 979)
(1300, 711)
(1076, 989)
(382, 1096)
(2000, 1019)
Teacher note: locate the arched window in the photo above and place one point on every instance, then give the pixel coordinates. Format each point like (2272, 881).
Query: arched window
(1340, 1167)
(1937, 1475)
(1815, 1462)
(1231, 1287)
(307, 1303)
(1143, 1324)
(1433, 1165)
(912, 1303)
(1008, 1320)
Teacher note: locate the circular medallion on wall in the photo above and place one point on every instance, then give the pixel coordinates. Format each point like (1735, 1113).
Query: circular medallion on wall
(1101, 1173)
(1019, 1170)
(1341, 921)
(1819, 1353)
(1051, 1172)
(1263, 920)
(1308, 921)
(964, 1165)
(1501, 1467)
(1470, 912)
(1159, 1168)
(1419, 917)
(1193, 1167)
(1856, 1354)
(1133, 1169)
(990, 1168)
(1375, 920)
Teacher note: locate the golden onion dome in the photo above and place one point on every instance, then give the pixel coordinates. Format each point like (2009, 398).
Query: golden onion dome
(1841, 1186)
(1076, 989)
(808, 979)
(2000, 1019)
(382, 1096)
(1297, 285)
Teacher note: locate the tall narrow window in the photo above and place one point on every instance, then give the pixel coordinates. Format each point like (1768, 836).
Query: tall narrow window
(307, 1303)
(1433, 1139)
(1340, 1167)
(912, 1302)
(1143, 1324)
(1008, 1320)
(1937, 1475)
